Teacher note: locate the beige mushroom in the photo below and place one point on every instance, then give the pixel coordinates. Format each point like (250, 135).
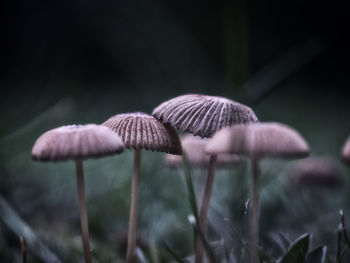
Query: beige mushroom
(258, 141)
(316, 172)
(141, 131)
(194, 147)
(346, 151)
(203, 115)
(78, 142)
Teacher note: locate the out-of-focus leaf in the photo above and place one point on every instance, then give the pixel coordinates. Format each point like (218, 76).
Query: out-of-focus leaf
(20, 228)
(317, 255)
(297, 251)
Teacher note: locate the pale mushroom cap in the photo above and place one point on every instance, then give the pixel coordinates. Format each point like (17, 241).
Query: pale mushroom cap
(346, 151)
(316, 172)
(203, 115)
(76, 141)
(259, 140)
(194, 147)
(142, 131)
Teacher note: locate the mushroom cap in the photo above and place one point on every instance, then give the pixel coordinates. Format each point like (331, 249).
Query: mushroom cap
(76, 141)
(139, 130)
(346, 151)
(203, 115)
(267, 139)
(194, 147)
(316, 172)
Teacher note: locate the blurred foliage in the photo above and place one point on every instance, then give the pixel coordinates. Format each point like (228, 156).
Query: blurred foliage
(82, 61)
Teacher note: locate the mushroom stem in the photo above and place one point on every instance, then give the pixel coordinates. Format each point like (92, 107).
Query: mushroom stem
(254, 221)
(134, 207)
(205, 205)
(82, 208)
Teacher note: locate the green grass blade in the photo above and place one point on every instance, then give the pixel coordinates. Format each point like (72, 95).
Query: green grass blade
(174, 254)
(189, 184)
(20, 228)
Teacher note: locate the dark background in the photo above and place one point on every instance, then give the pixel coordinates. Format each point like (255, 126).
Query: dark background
(152, 51)
(65, 62)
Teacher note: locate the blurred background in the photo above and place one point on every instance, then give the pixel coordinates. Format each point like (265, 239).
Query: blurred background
(66, 62)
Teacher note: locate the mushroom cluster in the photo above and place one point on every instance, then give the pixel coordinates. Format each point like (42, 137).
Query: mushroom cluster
(222, 133)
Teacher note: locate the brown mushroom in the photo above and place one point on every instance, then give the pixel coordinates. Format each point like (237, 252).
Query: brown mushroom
(316, 172)
(78, 142)
(141, 131)
(258, 141)
(203, 115)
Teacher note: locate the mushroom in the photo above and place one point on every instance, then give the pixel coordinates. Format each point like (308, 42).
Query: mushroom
(141, 131)
(203, 115)
(258, 141)
(78, 142)
(316, 172)
(346, 151)
(194, 147)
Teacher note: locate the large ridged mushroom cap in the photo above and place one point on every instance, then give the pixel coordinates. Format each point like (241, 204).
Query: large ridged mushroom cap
(316, 172)
(346, 151)
(203, 115)
(76, 141)
(259, 140)
(194, 147)
(139, 130)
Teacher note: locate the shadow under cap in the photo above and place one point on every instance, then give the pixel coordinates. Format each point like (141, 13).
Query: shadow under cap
(194, 147)
(76, 141)
(316, 172)
(346, 151)
(139, 130)
(259, 140)
(203, 115)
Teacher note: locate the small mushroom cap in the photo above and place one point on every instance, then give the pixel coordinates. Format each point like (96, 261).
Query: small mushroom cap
(142, 131)
(194, 147)
(316, 172)
(203, 115)
(76, 141)
(346, 151)
(259, 140)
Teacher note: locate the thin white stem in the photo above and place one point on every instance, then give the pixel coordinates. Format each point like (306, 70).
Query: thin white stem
(254, 221)
(133, 207)
(205, 206)
(83, 213)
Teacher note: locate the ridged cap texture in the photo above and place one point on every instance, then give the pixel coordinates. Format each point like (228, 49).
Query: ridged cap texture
(139, 130)
(76, 141)
(260, 140)
(194, 148)
(203, 115)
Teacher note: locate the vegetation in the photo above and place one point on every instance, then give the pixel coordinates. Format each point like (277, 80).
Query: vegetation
(84, 62)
